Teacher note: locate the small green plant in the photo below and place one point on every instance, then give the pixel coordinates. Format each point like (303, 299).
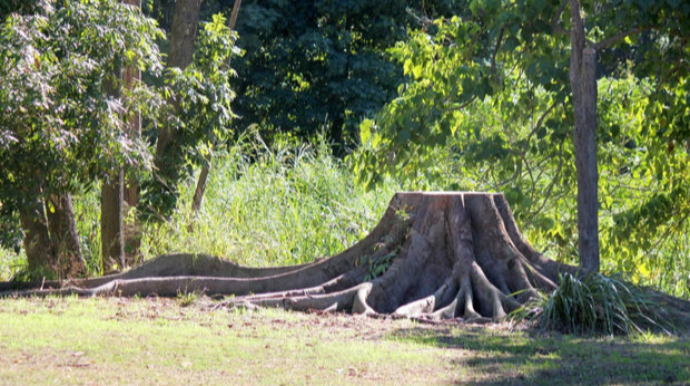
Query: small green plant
(594, 304)
(187, 298)
(379, 265)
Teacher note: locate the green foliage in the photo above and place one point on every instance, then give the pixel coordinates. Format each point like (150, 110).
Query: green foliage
(23, 7)
(595, 304)
(286, 204)
(200, 112)
(486, 106)
(379, 265)
(59, 128)
(271, 206)
(313, 64)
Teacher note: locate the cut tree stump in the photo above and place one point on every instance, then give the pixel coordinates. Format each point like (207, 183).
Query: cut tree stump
(432, 256)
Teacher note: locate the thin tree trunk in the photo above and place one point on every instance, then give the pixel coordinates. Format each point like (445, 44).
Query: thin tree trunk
(182, 38)
(36, 237)
(112, 242)
(584, 87)
(203, 176)
(200, 190)
(112, 192)
(64, 237)
(132, 234)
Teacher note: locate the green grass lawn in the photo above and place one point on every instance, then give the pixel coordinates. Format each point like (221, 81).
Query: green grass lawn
(160, 342)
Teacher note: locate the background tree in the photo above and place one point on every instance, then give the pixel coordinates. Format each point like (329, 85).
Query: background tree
(319, 64)
(480, 58)
(59, 130)
(198, 86)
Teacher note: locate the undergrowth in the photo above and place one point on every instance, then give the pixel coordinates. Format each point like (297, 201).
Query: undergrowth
(264, 206)
(595, 304)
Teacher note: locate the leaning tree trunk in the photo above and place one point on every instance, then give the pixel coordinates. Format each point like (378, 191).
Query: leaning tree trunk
(64, 237)
(433, 255)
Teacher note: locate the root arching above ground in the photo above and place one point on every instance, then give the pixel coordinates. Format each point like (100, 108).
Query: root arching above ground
(432, 255)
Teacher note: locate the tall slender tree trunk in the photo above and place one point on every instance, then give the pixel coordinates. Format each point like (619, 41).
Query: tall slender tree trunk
(36, 236)
(112, 193)
(64, 237)
(203, 176)
(584, 87)
(132, 233)
(182, 38)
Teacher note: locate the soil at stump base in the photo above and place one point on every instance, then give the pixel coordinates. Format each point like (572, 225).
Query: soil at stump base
(432, 256)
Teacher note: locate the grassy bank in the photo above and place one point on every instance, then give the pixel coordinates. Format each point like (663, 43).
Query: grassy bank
(160, 342)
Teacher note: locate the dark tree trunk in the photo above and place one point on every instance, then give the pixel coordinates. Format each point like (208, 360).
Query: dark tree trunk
(112, 193)
(64, 238)
(132, 236)
(182, 38)
(112, 242)
(584, 88)
(36, 237)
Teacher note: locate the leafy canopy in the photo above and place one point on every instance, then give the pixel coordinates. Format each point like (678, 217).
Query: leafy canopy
(59, 128)
(487, 106)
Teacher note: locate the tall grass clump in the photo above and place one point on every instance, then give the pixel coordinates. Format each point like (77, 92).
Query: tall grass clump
(595, 304)
(265, 206)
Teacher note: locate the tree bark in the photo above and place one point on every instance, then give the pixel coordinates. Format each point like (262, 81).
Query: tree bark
(583, 82)
(182, 38)
(112, 193)
(36, 237)
(132, 236)
(112, 242)
(64, 238)
(200, 190)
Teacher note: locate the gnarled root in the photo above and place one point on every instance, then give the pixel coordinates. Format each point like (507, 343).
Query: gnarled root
(436, 256)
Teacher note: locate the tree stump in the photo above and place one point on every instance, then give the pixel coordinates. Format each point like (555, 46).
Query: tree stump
(432, 255)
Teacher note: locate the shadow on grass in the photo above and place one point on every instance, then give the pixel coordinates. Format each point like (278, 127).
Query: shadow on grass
(496, 357)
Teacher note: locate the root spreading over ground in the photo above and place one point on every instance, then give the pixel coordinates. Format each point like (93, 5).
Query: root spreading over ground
(432, 256)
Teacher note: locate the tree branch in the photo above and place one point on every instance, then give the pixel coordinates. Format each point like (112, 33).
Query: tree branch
(460, 107)
(498, 45)
(606, 43)
(554, 22)
(540, 122)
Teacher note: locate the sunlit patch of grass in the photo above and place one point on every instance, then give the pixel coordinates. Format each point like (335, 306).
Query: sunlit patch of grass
(153, 341)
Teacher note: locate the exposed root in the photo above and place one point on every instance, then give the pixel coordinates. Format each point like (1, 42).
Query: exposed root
(454, 256)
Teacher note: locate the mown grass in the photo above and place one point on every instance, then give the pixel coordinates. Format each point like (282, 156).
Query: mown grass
(158, 342)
